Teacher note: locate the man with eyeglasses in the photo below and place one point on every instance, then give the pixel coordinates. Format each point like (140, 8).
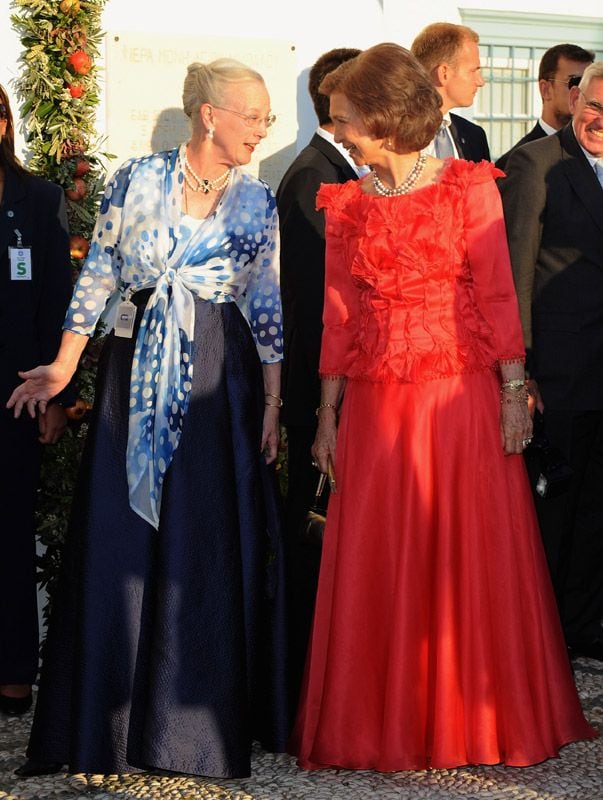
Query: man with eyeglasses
(560, 68)
(553, 203)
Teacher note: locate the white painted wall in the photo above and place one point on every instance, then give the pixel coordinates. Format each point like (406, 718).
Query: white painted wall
(311, 26)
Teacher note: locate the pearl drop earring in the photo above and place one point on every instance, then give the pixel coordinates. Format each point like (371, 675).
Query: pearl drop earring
(210, 133)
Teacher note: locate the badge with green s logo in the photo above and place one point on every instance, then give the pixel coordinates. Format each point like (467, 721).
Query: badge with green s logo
(20, 263)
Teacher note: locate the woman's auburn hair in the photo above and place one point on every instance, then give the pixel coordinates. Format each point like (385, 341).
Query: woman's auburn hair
(392, 93)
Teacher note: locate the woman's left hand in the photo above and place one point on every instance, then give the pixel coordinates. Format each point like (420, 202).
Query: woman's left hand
(270, 433)
(515, 427)
(52, 424)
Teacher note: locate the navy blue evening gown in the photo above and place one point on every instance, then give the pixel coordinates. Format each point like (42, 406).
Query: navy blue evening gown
(166, 648)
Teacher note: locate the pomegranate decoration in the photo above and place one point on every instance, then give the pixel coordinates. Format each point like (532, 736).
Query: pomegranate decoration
(80, 62)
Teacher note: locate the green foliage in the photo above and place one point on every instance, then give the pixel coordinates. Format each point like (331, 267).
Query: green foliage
(60, 466)
(60, 129)
(59, 94)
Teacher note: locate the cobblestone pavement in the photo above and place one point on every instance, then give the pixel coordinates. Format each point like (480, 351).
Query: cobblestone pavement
(577, 774)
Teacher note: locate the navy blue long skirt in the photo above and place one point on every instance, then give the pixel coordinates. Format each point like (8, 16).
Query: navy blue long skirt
(166, 648)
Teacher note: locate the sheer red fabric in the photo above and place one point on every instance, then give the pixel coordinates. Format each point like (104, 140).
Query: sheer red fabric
(436, 640)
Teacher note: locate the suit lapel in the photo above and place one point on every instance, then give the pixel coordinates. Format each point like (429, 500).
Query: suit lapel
(581, 175)
(536, 133)
(334, 156)
(11, 210)
(460, 141)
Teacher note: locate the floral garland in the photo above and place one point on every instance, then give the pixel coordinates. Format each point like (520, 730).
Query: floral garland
(59, 92)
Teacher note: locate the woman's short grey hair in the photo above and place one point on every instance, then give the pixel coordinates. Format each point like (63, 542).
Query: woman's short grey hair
(206, 83)
(592, 71)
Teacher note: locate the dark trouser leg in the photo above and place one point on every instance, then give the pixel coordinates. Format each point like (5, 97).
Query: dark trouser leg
(572, 524)
(583, 601)
(18, 591)
(302, 559)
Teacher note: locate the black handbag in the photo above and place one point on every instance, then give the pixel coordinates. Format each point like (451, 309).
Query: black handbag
(313, 526)
(554, 473)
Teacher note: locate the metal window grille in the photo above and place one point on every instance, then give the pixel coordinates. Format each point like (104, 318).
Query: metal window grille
(509, 104)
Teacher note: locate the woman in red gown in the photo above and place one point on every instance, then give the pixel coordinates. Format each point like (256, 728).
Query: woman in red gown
(436, 640)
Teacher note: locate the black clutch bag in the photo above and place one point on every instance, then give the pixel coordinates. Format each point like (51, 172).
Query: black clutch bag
(555, 473)
(313, 526)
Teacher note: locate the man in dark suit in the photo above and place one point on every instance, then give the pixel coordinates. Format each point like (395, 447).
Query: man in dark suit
(560, 68)
(302, 231)
(35, 289)
(553, 202)
(450, 54)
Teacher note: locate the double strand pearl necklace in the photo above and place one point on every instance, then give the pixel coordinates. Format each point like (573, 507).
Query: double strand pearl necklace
(203, 184)
(406, 185)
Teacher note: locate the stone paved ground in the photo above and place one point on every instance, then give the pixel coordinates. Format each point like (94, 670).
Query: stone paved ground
(576, 775)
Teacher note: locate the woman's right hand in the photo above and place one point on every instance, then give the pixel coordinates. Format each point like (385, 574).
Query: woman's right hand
(40, 385)
(325, 440)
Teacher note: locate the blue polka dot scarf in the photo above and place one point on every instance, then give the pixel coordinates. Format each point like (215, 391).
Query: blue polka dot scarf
(142, 240)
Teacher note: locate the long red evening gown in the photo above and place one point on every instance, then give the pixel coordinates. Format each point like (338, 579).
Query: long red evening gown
(436, 640)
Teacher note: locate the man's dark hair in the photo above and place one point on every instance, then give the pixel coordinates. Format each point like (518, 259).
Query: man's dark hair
(550, 60)
(325, 64)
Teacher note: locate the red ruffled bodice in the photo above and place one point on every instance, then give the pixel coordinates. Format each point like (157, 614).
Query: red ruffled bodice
(418, 286)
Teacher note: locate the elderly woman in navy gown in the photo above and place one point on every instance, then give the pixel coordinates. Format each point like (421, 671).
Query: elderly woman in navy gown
(165, 644)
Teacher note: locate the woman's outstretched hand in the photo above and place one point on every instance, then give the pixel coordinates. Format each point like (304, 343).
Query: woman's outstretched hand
(39, 386)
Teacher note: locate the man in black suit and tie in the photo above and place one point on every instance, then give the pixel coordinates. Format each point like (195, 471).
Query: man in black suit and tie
(560, 68)
(450, 54)
(553, 202)
(302, 230)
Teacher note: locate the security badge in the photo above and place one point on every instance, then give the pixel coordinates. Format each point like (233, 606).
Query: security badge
(20, 260)
(124, 321)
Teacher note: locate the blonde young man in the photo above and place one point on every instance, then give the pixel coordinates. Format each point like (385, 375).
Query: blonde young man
(450, 54)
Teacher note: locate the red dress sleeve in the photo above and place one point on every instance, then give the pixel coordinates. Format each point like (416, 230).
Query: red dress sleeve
(489, 261)
(341, 306)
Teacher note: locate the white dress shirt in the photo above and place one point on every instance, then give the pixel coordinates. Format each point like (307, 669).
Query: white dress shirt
(328, 136)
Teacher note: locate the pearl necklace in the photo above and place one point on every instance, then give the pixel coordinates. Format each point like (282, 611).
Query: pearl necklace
(406, 185)
(204, 184)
